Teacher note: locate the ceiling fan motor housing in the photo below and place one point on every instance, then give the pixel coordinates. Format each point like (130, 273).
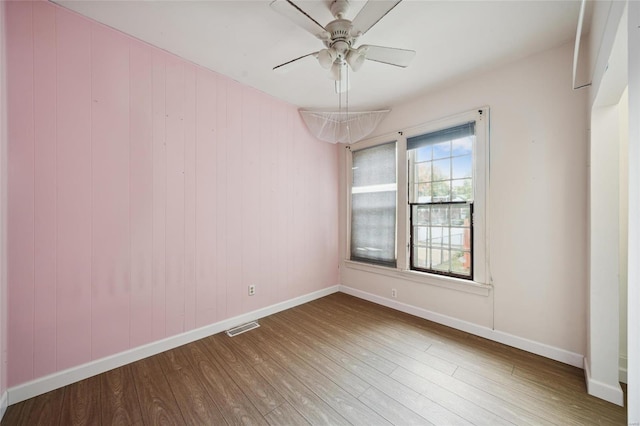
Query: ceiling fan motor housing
(341, 39)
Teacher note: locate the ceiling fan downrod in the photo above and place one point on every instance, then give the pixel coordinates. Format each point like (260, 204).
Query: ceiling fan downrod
(339, 8)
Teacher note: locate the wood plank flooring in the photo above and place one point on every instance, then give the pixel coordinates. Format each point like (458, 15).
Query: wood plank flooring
(338, 360)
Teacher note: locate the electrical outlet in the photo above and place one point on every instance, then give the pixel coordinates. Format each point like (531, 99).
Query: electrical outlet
(252, 290)
(394, 293)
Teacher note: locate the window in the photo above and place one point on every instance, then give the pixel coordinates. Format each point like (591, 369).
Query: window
(418, 204)
(441, 200)
(373, 205)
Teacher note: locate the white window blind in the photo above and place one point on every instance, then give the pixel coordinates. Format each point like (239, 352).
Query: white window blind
(373, 205)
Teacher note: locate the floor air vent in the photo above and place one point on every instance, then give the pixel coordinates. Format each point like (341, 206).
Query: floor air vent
(242, 328)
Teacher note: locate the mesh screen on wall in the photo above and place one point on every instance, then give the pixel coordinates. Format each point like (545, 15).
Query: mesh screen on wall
(342, 126)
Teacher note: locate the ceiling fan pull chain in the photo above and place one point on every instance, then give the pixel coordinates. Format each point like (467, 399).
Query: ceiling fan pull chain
(347, 99)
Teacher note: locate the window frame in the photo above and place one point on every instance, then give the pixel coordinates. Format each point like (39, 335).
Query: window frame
(370, 143)
(481, 280)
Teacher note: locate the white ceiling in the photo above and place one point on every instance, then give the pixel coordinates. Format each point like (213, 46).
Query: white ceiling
(245, 39)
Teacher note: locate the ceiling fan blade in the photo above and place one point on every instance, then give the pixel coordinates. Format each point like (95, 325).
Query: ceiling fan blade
(289, 65)
(298, 16)
(389, 55)
(371, 13)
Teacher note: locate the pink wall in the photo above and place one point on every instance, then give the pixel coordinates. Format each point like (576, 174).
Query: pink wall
(3, 204)
(146, 193)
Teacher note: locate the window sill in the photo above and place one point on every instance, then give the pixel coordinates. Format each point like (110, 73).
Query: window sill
(423, 278)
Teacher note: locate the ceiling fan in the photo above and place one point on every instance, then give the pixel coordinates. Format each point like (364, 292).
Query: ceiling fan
(340, 36)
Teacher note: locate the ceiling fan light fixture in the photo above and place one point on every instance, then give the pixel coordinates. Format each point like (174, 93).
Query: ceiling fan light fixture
(355, 59)
(326, 57)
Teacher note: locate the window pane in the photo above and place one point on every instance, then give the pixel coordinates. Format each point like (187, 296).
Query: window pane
(440, 261)
(423, 172)
(421, 234)
(460, 215)
(373, 205)
(440, 215)
(461, 262)
(424, 153)
(462, 190)
(420, 258)
(436, 236)
(462, 146)
(461, 167)
(457, 238)
(441, 150)
(421, 216)
(445, 231)
(441, 191)
(423, 193)
(442, 169)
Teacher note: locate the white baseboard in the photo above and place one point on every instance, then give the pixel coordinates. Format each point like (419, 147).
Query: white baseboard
(611, 393)
(537, 348)
(622, 369)
(3, 404)
(62, 378)
(622, 375)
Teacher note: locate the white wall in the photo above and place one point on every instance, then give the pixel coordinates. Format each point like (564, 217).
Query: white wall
(536, 209)
(602, 360)
(602, 364)
(633, 288)
(623, 218)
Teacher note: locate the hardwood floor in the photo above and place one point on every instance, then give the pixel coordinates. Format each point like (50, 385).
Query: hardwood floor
(338, 360)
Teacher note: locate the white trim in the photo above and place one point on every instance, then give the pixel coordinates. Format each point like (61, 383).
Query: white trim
(606, 39)
(62, 378)
(387, 187)
(369, 143)
(3, 404)
(349, 180)
(622, 369)
(602, 390)
(403, 212)
(422, 278)
(622, 374)
(534, 347)
(576, 47)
